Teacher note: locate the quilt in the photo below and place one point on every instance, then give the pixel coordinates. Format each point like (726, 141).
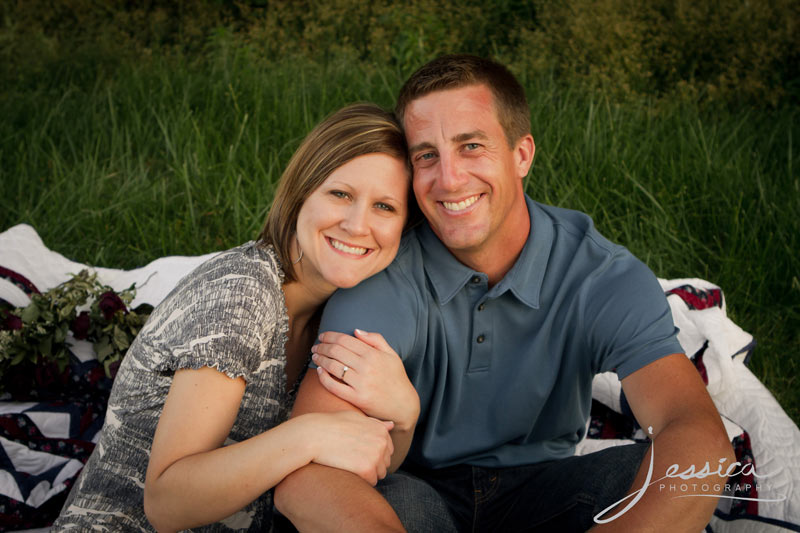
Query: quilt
(45, 438)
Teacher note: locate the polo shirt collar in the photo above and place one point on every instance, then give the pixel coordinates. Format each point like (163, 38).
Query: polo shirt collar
(448, 275)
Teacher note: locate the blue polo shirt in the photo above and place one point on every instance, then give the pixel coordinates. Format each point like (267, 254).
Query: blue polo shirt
(504, 374)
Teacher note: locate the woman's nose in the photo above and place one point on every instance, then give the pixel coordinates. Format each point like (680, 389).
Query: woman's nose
(355, 220)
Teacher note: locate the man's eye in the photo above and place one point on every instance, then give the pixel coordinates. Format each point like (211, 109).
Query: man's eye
(426, 156)
(472, 146)
(385, 207)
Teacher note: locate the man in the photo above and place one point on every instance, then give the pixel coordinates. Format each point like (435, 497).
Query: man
(502, 310)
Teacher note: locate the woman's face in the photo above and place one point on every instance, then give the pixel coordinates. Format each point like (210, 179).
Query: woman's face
(349, 228)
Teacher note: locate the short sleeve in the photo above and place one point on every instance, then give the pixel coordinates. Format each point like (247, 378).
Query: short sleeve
(228, 314)
(385, 303)
(627, 317)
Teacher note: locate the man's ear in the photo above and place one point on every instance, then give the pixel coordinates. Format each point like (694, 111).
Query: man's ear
(524, 151)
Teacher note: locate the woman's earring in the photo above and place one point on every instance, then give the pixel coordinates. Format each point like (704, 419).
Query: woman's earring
(300, 256)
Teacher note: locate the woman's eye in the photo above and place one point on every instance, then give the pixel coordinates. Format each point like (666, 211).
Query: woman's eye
(385, 207)
(340, 194)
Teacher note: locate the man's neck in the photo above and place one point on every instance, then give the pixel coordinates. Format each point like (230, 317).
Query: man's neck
(496, 260)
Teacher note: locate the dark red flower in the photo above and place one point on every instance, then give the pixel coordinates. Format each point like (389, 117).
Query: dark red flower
(110, 303)
(80, 326)
(11, 322)
(113, 368)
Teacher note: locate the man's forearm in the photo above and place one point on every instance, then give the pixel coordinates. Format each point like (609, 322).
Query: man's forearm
(671, 502)
(320, 498)
(669, 397)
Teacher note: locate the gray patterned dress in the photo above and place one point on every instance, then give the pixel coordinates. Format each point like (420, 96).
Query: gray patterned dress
(228, 314)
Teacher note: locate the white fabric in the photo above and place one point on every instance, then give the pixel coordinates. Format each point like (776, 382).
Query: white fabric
(741, 399)
(22, 250)
(743, 402)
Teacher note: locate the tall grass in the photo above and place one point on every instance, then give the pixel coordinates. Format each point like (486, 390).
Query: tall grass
(119, 166)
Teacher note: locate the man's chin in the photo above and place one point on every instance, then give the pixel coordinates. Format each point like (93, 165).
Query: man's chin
(460, 240)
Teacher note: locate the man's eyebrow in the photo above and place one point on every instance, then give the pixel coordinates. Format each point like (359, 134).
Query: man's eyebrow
(477, 134)
(461, 137)
(419, 147)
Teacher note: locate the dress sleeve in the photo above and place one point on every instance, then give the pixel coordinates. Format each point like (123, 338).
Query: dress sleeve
(228, 314)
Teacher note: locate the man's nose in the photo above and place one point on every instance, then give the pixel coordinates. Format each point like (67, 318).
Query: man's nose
(452, 175)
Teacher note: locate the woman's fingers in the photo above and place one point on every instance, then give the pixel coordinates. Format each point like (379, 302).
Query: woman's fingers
(357, 346)
(336, 352)
(339, 388)
(335, 368)
(375, 340)
(372, 376)
(356, 443)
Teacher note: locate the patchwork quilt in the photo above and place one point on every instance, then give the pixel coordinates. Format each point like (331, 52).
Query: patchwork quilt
(48, 433)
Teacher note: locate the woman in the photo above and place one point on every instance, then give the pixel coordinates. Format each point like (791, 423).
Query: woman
(196, 429)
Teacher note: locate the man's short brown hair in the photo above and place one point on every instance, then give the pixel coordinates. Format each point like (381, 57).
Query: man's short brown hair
(461, 70)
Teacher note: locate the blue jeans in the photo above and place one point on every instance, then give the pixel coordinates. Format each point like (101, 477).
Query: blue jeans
(561, 495)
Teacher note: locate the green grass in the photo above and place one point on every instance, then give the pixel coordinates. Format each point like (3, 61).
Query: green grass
(118, 166)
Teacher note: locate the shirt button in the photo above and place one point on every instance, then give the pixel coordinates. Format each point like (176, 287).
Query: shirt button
(481, 307)
(476, 279)
(480, 339)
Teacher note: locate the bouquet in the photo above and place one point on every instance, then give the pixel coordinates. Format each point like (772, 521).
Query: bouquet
(37, 336)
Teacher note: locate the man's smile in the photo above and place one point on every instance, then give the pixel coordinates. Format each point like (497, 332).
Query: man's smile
(460, 205)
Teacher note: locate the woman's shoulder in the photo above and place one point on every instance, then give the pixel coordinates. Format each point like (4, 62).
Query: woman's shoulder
(235, 290)
(251, 258)
(251, 270)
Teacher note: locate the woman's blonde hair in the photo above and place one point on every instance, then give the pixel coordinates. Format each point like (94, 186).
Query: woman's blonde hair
(353, 131)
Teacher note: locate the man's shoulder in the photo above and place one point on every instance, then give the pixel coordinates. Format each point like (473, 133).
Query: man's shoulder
(405, 273)
(390, 303)
(577, 224)
(401, 285)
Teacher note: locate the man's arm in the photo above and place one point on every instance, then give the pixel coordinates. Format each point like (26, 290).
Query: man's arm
(669, 396)
(321, 498)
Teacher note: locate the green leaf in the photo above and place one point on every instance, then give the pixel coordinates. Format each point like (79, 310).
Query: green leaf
(66, 311)
(62, 364)
(30, 313)
(107, 365)
(46, 346)
(103, 348)
(121, 339)
(60, 333)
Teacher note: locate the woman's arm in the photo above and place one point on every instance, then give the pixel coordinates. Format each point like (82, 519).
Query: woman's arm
(375, 382)
(322, 499)
(192, 479)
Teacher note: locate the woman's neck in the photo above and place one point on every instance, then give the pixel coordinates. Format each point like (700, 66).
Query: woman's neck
(301, 304)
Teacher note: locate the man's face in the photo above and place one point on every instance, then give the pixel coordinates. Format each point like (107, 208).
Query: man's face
(467, 180)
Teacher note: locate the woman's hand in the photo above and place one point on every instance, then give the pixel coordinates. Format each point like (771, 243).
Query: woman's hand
(350, 441)
(375, 380)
